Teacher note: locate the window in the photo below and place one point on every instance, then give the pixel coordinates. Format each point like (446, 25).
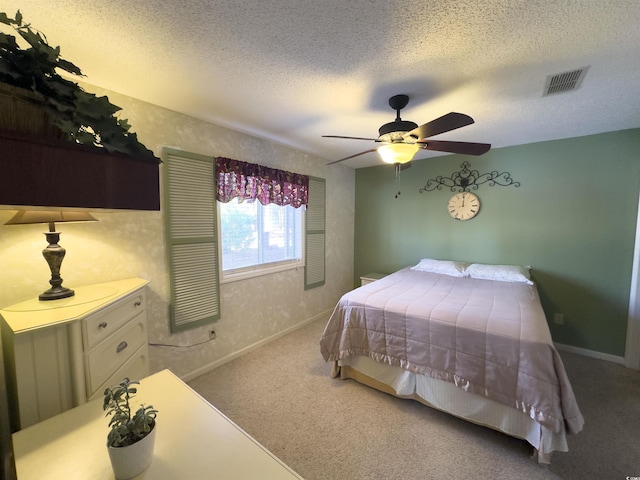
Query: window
(261, 218)
(258, 238)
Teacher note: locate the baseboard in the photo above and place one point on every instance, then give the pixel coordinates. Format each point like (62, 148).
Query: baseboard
(213, 365)
(590, 353)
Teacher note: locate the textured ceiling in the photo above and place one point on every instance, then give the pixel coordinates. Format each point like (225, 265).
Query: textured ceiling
(294, 70)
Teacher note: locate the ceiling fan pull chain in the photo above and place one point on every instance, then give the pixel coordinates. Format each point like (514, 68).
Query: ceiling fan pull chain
(397, 165)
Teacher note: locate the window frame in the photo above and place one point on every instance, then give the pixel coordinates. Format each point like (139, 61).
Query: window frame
(254, 271)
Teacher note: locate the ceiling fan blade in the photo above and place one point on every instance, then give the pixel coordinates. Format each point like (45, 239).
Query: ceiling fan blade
(352, 156)
(350, 138)
(446, 123)
(466, 148)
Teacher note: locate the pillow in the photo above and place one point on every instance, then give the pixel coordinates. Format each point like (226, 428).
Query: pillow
(443, 267)
(501, 273)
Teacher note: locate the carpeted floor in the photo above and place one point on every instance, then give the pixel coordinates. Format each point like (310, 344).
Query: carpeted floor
(327, 429)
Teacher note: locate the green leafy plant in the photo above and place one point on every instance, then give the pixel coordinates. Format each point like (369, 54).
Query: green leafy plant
(82, 116)
(126, 429)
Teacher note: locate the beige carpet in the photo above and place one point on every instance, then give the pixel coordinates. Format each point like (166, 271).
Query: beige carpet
(328, 429)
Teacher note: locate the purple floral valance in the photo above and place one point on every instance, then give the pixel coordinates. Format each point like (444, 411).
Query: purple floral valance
(248, 181)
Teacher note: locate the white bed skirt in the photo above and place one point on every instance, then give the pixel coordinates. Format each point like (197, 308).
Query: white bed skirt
(447, 397)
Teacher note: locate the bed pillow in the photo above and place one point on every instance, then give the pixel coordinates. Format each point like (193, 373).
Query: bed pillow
(443, 267)
(500, 273)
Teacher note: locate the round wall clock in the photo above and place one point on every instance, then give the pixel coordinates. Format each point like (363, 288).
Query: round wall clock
(464, 206)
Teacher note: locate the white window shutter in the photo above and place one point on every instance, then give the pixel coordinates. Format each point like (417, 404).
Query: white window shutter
(190, 224)
(314, 270)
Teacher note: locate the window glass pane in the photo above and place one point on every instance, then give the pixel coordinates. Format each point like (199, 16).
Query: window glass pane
(238, 228)
(253, 234)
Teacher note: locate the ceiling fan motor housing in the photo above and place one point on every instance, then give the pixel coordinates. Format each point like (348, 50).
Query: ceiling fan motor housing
(397, 126)
(397, 102)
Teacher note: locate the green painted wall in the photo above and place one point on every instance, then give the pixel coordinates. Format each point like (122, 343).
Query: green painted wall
(572, 220)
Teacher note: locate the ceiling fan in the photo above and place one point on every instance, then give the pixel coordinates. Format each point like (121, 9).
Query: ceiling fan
(402, 139)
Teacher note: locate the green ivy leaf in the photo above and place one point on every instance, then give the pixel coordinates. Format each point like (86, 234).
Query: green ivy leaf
(69, 67)
(63, 88)
(124, 124)
(85, 137)
(32, 39)
(6, 71)
(68, 105)
(8, 42)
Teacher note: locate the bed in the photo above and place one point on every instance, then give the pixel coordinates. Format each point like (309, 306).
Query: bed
(471, 340)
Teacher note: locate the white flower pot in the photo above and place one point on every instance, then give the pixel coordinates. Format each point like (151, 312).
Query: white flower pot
(129, 461)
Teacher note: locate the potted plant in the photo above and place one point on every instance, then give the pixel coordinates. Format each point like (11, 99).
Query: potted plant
(61, 146)
(131, 436)
(32, 76)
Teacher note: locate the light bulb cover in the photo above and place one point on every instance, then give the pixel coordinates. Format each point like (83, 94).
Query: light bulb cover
(398, 152)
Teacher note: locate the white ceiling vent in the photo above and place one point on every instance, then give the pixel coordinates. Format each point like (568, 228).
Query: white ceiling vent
(564, 82)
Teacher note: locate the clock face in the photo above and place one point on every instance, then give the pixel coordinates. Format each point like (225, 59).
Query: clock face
(464, 206)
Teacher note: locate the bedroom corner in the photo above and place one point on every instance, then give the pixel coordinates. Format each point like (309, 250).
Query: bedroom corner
(573, 220)
(128, 244)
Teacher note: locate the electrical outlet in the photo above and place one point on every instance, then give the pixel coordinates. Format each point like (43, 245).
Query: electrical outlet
(212, 334)
(558, 318)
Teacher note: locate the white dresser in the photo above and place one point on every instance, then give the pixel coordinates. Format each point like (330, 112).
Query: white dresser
(62, 353)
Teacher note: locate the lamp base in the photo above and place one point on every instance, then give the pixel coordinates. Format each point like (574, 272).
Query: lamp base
(56, 293)
(54, 254)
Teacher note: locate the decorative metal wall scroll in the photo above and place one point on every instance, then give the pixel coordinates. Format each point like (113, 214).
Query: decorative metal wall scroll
(466, 180)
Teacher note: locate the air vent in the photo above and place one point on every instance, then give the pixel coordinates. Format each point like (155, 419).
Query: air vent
(564, 82)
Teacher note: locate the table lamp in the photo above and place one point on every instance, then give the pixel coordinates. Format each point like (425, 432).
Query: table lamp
(54, 253)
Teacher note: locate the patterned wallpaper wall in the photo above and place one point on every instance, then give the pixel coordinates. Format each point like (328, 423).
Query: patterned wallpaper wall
(131, 244)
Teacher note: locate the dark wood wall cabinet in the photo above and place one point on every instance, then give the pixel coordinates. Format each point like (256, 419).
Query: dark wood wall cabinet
(47, 172)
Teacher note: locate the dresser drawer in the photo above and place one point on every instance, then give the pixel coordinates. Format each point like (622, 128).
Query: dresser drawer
(99, 326)
(136, 368)
(106, 359)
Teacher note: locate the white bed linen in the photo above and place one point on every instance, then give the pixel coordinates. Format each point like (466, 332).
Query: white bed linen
(486, 337)
(451, 399)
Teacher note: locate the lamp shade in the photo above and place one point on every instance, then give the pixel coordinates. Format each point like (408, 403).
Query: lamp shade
(24, 217)
(398, 152)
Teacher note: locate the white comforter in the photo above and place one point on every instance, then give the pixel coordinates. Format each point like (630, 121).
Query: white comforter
(487, 337)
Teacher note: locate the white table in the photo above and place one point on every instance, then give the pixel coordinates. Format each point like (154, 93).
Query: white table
(194, 441)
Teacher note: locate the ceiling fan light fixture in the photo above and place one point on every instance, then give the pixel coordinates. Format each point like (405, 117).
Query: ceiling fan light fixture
(398, 152)
(402, 139)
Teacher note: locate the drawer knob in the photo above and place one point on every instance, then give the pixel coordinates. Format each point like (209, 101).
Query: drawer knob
(137, 304)
(121, 346)
(102, 325)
